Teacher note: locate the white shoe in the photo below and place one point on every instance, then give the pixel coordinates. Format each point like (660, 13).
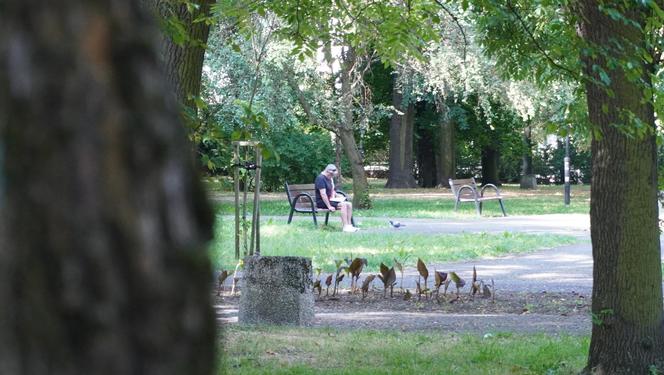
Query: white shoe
(350, 229)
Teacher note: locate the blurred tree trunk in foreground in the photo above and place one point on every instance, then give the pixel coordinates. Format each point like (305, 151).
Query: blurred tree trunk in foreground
(103, 221)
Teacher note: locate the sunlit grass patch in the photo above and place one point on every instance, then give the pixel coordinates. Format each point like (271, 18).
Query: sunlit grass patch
(269, 350)
(326, 244)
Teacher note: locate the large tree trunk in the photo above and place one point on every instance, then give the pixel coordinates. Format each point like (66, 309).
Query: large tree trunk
(401, 144)
(628, 335)
(183, 61)
(446, 166)
(490, 163)
(528, 180)
(103, 266)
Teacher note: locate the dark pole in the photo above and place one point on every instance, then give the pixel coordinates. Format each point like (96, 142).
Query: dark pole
(567, 182)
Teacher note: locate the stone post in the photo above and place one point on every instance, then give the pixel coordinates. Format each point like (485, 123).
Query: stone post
(276, 290)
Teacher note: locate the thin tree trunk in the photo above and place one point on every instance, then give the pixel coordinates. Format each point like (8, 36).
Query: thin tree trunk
(446, 166)
(627, 334)
(361, 197)
(401, 144)
(338, 149)
(103, 221)
(528, 180)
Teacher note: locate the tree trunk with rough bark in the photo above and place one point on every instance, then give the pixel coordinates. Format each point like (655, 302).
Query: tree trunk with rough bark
(183, 62)
(528, 180)
(401, 144)
(361, 197)
(446, 166)
(103, 220)
(490, 163)
(627, 334)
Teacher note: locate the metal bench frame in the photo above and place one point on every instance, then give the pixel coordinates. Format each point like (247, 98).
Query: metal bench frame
(465, 190)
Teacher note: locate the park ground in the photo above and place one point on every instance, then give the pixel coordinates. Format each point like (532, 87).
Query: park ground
(541, 291)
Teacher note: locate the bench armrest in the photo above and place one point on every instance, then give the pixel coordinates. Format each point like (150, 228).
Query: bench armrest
(466, 187)
(492, 186)
(307, 197)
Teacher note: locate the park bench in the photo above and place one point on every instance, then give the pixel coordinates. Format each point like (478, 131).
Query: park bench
(302, 199)
(465, 190)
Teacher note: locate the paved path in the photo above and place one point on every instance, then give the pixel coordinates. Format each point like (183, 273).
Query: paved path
(570, 224)
(562, 269)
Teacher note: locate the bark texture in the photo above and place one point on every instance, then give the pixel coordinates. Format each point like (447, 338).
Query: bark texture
(103, 222)
(183, 63)
(627, 337)
(402, 125)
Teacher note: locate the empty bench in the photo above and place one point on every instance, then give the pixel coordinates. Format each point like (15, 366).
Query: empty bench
(465, 190)
(302, 199)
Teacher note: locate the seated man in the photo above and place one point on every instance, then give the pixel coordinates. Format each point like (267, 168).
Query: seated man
(326, 198)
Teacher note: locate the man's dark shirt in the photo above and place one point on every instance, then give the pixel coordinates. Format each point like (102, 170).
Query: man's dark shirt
(322, 183)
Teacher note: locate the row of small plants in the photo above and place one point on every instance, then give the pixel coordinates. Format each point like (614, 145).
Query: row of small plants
(353, 269)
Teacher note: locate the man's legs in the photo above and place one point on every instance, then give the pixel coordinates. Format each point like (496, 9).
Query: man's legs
(344, 213)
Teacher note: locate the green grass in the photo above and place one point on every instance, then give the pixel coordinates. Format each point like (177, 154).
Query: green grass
(437, 208)
(435, 203)
(326, 244)
(268, 350)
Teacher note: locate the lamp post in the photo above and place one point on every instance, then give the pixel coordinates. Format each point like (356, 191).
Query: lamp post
(566, 162)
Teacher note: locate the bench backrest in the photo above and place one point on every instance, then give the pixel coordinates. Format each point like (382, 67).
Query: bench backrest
(455, 185)
(294, 190)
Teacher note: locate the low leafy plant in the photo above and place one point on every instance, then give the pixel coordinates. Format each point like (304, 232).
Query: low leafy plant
(355, 269)
(440, 278)
(389, 278)
(366, 284)
(458, 282)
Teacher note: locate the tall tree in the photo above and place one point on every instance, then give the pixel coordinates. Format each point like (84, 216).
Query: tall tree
(616, 43)
(627, 278)
(103, 221)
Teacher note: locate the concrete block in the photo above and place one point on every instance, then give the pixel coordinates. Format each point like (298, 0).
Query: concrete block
(276, 290)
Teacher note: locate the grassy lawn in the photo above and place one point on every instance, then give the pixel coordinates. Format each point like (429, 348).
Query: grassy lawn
(267, 350)
(327, 244)
(433, 203)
